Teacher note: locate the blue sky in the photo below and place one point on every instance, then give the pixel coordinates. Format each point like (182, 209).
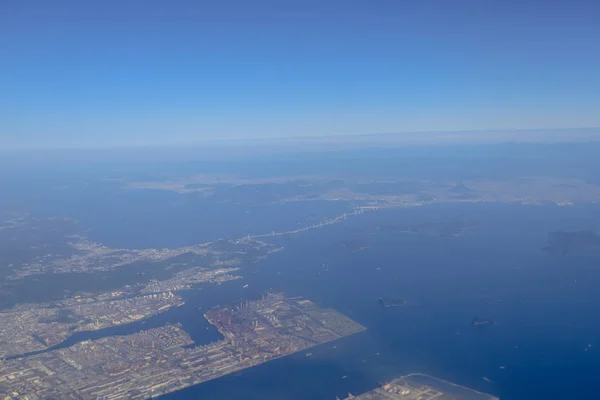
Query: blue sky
(121, 73)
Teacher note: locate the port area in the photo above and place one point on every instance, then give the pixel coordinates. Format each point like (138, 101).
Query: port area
(422, 387)
(162, 360)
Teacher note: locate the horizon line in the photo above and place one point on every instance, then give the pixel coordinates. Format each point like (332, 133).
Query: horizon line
(351, 139)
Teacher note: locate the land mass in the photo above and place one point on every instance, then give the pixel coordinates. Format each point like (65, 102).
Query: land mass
(59, 261)
(162, 360)
(393, 192)
(444, 229)
(31, 328)
(422, 387)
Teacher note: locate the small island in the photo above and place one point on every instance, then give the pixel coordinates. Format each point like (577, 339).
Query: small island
(421, 387)
(443, 229)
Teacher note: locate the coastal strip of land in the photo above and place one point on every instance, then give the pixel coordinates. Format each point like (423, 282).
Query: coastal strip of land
(162, 360)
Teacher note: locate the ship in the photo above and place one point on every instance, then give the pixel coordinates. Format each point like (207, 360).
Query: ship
(392, 303)
(477, 322)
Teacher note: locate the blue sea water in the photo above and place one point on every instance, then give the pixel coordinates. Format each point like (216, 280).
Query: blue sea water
(544, 307)
(156, 218)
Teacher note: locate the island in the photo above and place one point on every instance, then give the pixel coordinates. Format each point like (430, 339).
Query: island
(422, 387)
(165, 359)
(443, 228)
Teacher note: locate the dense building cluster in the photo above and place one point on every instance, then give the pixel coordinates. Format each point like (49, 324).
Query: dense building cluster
(35, 327)
(161, 360)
